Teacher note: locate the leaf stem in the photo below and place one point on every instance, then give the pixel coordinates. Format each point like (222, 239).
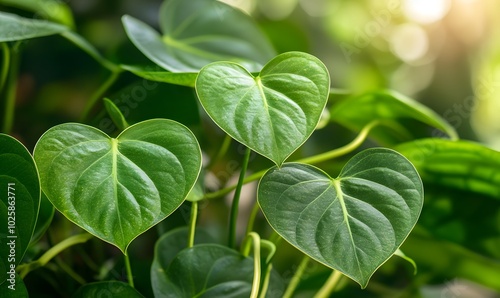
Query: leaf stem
(310, 160)
(24, 269)
(192, 223)
(254, 237)
(236, 200)
(130, 276)
(222, 151)
(297, 276)
(253, 215)
(5, 65)
(98, 94)
(10, 83)
(329, 285)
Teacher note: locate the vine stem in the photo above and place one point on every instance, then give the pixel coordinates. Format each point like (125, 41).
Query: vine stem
(99, 93)
(192, 223)
(329, 285)
(24, 269)
(9, 80)
(297, 276)
(130, 276)
(310, 160)
(5, 65)
(255, 240)
(251, 218)
(236, 200)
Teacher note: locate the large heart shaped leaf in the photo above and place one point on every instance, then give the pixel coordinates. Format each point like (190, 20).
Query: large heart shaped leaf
(352, 223)
(211, 270)
(118, 188)
(19, 202)
(107, 289)
(393, 109)
(198, 32)
(273, 113)
(14, 27)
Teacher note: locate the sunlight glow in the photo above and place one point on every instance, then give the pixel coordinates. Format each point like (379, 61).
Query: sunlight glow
(426, 11)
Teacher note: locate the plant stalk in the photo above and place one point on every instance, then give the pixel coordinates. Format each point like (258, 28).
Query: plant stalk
(236, 200)
(310, 160)
(253, 215)
(255, 240)
(99, 93)
(24, 269)
(297, 276)
(329, 285)
(192, 223)
(130, 276)
(9, 81)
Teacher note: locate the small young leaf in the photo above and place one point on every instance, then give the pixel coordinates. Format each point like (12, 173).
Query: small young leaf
(14, 27)
(19, 202)
(116, 189)
(353, 223)
(106, 289)
(198, 32)
(211, 270)
(115, 114)
(273, 113)
(355, 112)
(459, 165)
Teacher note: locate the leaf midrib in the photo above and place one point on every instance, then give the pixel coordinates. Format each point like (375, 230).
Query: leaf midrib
(114, 174)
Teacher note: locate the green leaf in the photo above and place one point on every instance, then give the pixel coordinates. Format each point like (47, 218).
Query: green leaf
(115, 114)
(45, 215)
(14, 27)
(106, 289)
(198, 32)
(53, 10)
(13, 287)
(19, 202)
(273, 113)
(352, 223)
(177, 78)
(391, 108)
(211, 270)
(118, 188)
(459, 165)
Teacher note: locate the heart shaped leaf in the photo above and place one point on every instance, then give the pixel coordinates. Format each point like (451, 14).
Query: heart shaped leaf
(198, 32)
(353, 223)
(212, 270)
(19, 203)
(273, 113)
(118, 188)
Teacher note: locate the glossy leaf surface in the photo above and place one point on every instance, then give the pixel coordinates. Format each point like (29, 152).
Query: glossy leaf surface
(198, 32)
(19, 202)
(353, 223)
(391, 108)
(57, 11)
(14, 27)
(118, 188)
(273, 113)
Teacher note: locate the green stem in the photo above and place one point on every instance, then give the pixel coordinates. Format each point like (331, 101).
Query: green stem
(310, 160)
(99, 93)
(24, 269)
(10, 84)
(5, 65)
(222, 151)
(253, 215)
(236, 200)
(130, 276)
(246, 246)
(192, 223)
(329, 285)
(70, 271)
(297, 276)
(265, 283)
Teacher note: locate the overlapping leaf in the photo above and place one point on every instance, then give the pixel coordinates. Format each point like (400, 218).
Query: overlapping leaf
(118, 188)
(19, 202)
(352, 223)
(392, 108)
(197, 32)
(107, 289)
(273, 113)
(14, 27)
